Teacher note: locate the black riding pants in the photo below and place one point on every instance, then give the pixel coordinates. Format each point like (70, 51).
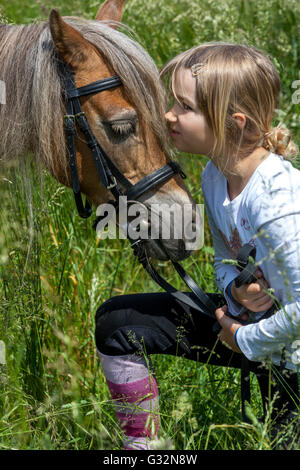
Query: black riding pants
(156, 323)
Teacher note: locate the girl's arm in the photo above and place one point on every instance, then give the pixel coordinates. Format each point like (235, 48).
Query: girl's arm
(275, 216)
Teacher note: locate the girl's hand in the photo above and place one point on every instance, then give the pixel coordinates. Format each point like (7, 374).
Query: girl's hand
(253, 296)
(229, 327)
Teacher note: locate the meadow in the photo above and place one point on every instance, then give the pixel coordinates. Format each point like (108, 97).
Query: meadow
(54, 272)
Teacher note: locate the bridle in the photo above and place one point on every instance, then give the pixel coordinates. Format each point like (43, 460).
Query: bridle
(111, 178)
(109, 174)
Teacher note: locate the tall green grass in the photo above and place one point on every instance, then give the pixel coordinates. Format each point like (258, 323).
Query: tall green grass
(54, 272)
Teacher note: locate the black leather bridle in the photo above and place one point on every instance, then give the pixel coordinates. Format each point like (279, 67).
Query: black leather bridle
(109, 174)
(111, 178)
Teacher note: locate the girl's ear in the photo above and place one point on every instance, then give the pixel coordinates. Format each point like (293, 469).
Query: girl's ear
(240, 120)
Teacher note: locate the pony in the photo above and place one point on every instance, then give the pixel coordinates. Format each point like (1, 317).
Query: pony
(128, 120)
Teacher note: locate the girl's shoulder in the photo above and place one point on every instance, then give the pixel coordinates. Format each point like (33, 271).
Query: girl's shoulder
(272, 200)
(275, 174)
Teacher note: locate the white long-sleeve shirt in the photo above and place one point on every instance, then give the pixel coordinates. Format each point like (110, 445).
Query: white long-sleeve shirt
(265, 214)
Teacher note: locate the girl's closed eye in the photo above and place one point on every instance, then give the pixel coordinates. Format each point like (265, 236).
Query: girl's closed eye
(187, 107)
(183, 104)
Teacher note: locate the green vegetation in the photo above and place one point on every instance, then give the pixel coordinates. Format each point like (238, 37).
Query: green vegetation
(54, 272)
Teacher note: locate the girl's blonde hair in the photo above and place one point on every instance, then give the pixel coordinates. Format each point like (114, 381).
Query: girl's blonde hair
(234, 78)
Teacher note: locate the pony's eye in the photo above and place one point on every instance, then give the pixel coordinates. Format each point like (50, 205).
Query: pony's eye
(123, 128)
(120, 130)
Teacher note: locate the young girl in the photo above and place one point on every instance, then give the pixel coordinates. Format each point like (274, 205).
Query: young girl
(225, 96)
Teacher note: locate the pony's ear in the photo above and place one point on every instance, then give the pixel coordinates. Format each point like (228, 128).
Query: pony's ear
(111, 10)
(70, 44)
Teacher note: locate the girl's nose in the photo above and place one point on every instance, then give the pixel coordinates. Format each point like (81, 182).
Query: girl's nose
(171, 116)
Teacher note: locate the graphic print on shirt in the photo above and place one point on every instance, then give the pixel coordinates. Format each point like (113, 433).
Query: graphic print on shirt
(234, 244)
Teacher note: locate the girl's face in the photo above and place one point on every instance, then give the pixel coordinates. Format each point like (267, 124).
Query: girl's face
(189, 128)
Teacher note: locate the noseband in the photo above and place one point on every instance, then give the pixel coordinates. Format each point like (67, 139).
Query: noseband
(111, 178)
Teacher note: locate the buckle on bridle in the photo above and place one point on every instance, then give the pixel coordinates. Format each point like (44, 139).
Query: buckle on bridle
(114, 184)
(79, 114)
(69, 116)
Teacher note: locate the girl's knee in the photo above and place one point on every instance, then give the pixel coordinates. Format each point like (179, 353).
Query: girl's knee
(106, 307)
(113, 324)
(105, 323)
(122, 327)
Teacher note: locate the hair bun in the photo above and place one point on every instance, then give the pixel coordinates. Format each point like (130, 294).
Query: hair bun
(278, 140)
